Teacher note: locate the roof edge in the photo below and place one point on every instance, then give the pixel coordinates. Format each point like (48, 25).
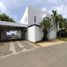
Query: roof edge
(34, 25)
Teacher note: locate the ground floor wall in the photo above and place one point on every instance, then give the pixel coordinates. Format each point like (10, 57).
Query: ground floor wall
(52, 34)
(34, 34)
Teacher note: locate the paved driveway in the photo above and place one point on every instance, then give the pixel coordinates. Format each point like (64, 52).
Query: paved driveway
(52, 56)
(8, 48)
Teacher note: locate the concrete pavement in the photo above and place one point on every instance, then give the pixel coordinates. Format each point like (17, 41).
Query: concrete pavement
(52, 56)
(50, 43)
(8, 48)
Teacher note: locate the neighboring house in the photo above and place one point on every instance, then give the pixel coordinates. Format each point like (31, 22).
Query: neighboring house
(32, 18)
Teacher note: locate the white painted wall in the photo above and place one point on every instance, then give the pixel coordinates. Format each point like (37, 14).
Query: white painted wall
(38, 34)
(24, 19)
(52, 35)
(30, 12)
(34, 34)
(31, 34)
(34, 12)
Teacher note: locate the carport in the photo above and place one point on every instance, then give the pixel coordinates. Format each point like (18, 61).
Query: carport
(11, 26)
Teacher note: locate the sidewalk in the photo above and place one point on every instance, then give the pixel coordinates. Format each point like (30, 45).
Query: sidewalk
(50, 43)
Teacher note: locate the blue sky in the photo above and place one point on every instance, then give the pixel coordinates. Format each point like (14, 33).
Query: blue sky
(16, 8)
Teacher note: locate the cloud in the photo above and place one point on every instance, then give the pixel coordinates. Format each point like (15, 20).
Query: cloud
(58, 8)
(16, 8)
(2, 7)
(55, 2)
(43, 9)
(12, 8)
(52, 1)
(62, 9)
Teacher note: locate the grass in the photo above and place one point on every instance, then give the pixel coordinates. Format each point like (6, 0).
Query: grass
(63, 39)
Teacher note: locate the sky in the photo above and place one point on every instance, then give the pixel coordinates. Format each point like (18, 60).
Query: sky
(15, 8)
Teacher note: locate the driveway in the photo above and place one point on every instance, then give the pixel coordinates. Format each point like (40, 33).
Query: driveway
(51, 56)
(13, 47)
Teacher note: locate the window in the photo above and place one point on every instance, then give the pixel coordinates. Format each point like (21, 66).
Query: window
(35, 19)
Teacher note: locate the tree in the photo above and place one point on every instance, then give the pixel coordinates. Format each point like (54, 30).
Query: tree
(65, 23)
(45, 25)
(55, 18)
(59, 20)
(4, 17)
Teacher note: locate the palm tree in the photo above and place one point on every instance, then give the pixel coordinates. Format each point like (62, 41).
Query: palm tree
(45, 25)
(55, 21)
(58, 20)
(54, 18)
(65, 23)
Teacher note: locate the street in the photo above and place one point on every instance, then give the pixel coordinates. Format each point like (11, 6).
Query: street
(51, 56)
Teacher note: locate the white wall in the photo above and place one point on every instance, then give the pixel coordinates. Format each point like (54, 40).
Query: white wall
(52, 34)
(38, 34)
(30, 12)
(24, 19)
(34, 12)
(34, 34)
(31, 34)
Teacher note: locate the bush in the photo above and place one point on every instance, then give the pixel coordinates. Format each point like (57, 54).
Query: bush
(62, 33)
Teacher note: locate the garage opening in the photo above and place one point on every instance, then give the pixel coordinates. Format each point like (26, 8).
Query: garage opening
(16, 32)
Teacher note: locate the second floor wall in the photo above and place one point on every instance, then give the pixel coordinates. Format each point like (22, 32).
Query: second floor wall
(32, 16)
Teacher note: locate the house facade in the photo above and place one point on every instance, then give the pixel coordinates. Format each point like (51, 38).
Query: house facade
(32, 18)
(29, 26)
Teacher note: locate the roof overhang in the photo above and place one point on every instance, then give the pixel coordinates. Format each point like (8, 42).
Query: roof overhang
(12, 24)
(34, 25)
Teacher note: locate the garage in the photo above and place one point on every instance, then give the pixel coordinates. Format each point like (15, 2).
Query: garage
(12, 31)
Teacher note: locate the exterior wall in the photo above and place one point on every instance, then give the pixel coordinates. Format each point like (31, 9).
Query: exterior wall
(34, 12)
(34, 34)
(31, 34)
(29, 14)
(24, 19)
(52, 34)
(38, 34)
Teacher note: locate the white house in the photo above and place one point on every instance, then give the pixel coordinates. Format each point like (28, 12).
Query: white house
(32, 18)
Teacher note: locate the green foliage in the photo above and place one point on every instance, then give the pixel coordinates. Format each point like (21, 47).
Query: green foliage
(4, 17)
(56, 18)
(45, 23)
(59, 20)
(65, 23)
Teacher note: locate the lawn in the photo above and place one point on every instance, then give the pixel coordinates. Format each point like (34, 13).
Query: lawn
(63, 39)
